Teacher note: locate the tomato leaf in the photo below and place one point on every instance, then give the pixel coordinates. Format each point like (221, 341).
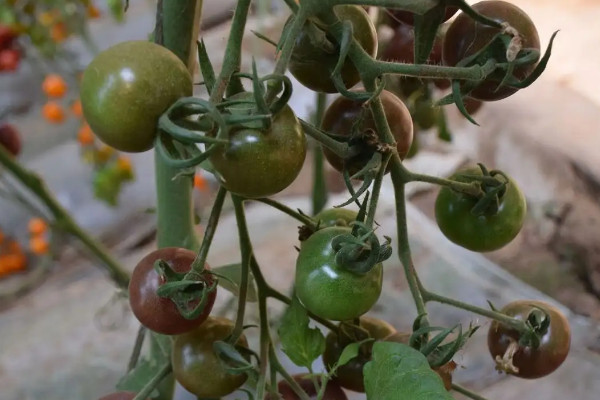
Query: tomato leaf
(399, 372)
(138, 377)
(231, 277)
(301, 343)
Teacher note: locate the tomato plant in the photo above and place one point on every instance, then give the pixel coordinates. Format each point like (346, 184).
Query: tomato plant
(332, 391)
(195, 364)
(259, 162)
(532, 361)
(350, 375)
(485, 232)
(127, 87)
(327, 289)
(398, 17)
(310, 55)
(158, 313)
(10, 139)
(335, 217)
(352, 121)
(466, 37)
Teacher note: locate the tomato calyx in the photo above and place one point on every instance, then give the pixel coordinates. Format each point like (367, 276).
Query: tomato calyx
(360, 251)
(188, 291)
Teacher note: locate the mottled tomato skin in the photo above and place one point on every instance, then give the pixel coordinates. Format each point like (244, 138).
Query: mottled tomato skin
(553, 350)
(326, 288)
(313, 66)
(465, 37)
(119, 396)
(336, 217)
(259, 163)
(10, 139)
(332, 392)
(485, 232)
(196, 366)
(127, 87)
(158, 313)
(350, 375)
(406, 17)
(342, 115)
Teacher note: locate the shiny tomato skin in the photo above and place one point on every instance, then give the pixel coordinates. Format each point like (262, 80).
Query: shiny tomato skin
(313, 66)
(342, 115)
(332, 392)
(196, 366)
(10, 139)
(259, 163)
(465, 37)
(158, 313)
(554, 347)
(480, 233)
(350, 375)
(326, 288)
(126, 88)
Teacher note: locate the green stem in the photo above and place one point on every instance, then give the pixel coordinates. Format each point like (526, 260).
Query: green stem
(306, 220)
(233, 51)
(516, 324)
(282, 371)
(209, 233)
(473, 73)
(466, 392)
(153, 383)
(137, 348)
(246, 254)
(340, 149)
(472, 188)
(63, 219)
(319, 189)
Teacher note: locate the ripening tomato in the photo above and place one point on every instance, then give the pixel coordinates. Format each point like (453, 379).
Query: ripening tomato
(10, 139)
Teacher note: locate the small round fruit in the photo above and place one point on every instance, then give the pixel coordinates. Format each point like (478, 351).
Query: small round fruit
(341, 118)
(159, 313)
(312, 65)
(196, 366)
(332, 392)
(481, 233)
(10, 139)
(127, 87)
(335, 217)
(350, 375)
(554, 344)
(327, 289)
(259, 163)
(466, 37)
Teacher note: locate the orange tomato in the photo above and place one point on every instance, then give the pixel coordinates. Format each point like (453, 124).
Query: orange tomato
(104, 153)
(13, 262)
(200, 182)
(1, 237)
(76, 108)
(39, 245)
(85, 136)
(37, 226)
(59, 32)
(53, 112)
(54, 86)
(124, 164)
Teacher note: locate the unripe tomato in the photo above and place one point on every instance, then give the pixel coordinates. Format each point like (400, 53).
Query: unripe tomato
(127, 87)
(157, 313)
(335, 217)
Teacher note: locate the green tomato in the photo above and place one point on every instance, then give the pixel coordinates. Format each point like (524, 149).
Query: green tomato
(312, 65)
(327, 289)
(196, 366)
(127, 87)
(335, 217)
(479, 233)
(259, 163)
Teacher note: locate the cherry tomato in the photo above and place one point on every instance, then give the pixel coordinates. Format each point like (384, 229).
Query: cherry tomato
(466, 37)
(127, 87)
(10, 139)
(335, 217)
(350, 375)
(196, 366)
(119, 396)
(341, 118)
(9, 59)
(482, 233)
(7, 36)
(472, 106)
(259, 163)
(159, 313)
(398, 17)
(327, 289)
(332, 392)
(312, 65)
(554, 344)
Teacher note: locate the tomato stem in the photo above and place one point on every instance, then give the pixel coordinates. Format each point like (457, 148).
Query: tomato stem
(154, 382)
(137, 348)
(246, 254)
(319, 189)
(306, 220)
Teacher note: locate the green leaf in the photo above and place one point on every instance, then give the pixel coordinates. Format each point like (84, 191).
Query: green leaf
(208, 73)
(138, 377)
(399, 372)
(301, 343)
(232, 276)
